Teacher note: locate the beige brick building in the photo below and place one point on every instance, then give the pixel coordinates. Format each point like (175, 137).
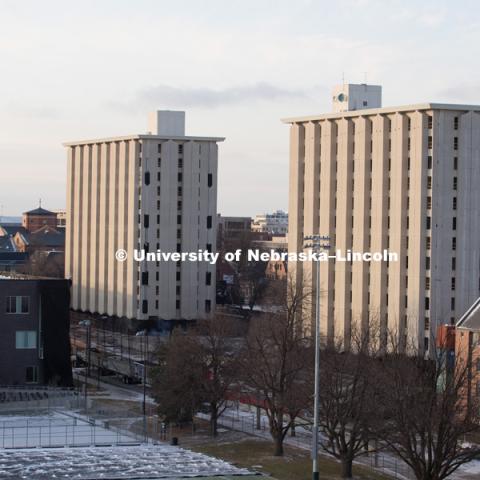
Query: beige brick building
(406, 179)
(149, 191)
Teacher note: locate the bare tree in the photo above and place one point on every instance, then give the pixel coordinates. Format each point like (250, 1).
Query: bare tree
(197, 367)
(217, 354)
(347, 404)
(425, 417)
(177, 379)
(275, 363)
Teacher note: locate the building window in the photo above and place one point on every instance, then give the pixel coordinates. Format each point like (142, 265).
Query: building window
(210, 180)
(428, 243)
(455, 183)
(454, 243)
(26, 339)
(18, 304)
(208, 278)
(455, 143)
(429, 162)
(409, 124)
(180, 149)
(145, 306)
(427, 303)
(208, 306)
(179, 219)
(454, 223)
(429, 122)
(146, 221)
(454, 203)
(452, 303)
(455, 123)
(144, 278)
(429, 203)
(147, 178)
(180, 163)
(178, 289)
(429, 223)
(31, 374)
(209, 247)
(427, 283)
(179, 177)
(179, 191)
(454, 263)
(158, 222)
(455, 163)
(452, 284)
(427, 263)
(178, 276)
(430, 142)
(209, 221)
(159, 163)
(429, 182)
(159, 148)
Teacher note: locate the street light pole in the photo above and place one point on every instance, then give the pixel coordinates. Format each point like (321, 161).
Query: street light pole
(86, 323)
(315, 243)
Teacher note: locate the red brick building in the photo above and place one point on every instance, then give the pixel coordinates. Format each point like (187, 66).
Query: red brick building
(35, 219)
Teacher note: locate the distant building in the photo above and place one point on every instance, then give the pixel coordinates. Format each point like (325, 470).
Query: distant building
(277, 270)
(46, 239)
(275, 223)
(232, 232)
(34, 331)
(154, 191)
(61, 218)
(39, 217)
(11, 259)
(467, 349)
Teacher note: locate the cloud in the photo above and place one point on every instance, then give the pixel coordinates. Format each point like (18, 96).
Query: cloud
(467, 92)
(166, 95)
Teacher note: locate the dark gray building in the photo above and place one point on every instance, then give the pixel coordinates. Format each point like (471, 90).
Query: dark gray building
(34, 331)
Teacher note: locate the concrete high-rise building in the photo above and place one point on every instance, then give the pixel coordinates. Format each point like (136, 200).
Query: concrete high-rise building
(405, 179)
(155, 191)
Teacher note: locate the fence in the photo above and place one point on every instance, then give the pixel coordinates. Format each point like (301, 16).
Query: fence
(61, 430)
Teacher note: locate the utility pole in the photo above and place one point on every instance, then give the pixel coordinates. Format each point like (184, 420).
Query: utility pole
(316, 243)
(145, 349)
(87, 323)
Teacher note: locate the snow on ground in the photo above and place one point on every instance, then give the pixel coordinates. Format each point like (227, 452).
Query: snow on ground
(471, 467)
(92, 450)
(128, 462)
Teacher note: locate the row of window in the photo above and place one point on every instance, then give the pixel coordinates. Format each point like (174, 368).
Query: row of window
(18, 304)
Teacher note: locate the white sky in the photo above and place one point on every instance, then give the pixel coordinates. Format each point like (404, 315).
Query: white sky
(72, 70)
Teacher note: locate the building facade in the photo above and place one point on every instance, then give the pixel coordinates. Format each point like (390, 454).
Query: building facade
(156, 191)
(39, 217)
(275, 223)
(34, 331)
(399, 179)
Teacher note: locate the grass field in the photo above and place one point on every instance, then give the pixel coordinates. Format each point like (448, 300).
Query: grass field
(294, 465)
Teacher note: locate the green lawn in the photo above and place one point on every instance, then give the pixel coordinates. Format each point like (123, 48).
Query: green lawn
(294, 465)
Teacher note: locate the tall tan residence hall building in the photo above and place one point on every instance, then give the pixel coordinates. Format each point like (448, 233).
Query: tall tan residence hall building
(154, 191)
(405, 179)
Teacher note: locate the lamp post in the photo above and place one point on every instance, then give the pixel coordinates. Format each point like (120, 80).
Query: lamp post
(144, 406)
(87, 323)
(317, 244)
